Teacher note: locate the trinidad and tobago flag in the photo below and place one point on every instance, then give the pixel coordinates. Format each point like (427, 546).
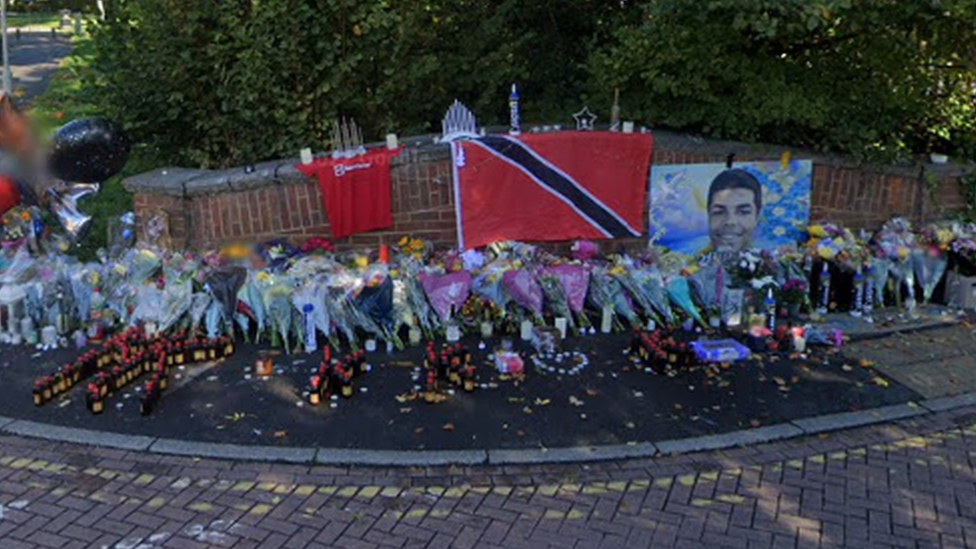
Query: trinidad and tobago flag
(551, 186)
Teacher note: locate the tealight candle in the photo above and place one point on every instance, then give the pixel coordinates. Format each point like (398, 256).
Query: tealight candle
(392, 143)
(628, 127)
(306, 155)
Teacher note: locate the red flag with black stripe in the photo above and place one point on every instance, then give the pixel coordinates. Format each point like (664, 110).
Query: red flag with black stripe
(551, 186)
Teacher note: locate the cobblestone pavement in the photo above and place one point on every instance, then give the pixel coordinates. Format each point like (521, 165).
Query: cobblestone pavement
(907, 484)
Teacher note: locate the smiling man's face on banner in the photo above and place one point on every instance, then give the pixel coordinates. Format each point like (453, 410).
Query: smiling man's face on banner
(734, 203)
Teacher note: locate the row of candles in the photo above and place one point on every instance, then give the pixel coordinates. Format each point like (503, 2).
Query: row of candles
(124, 358)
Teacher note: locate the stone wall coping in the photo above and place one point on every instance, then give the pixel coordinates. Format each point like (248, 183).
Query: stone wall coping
(188, 182)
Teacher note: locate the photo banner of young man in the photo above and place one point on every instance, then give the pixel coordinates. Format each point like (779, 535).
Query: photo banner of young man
(701, 208)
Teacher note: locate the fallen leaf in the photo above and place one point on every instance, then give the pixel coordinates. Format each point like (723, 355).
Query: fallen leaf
(406, 410)
(755, 423)
(418, 430)
(865, 363)
(406, 397)
(448, 427)
(575, 401)
(779, 381)
(591, 392)
(881, 382)
(678, 407)
(527, 410)
(542, 402)
(280, 434)
(847, 368)
(520, 433)
(795, 379)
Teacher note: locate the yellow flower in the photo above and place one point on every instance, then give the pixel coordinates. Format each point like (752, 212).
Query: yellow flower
(417, 245)
(618, 270)
(903, 253)
(944, 236)
(691, 269)
(817, 231)
(25, 216)
(403, 241)
(263, 277)
(362, 262)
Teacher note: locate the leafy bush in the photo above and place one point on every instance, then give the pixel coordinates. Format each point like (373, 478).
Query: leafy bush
(884, 76)
(238, 81)
(233, 82)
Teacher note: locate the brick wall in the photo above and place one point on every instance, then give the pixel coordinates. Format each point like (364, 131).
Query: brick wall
(206, 209)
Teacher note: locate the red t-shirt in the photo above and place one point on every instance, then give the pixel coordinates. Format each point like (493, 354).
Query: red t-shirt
(355, 191)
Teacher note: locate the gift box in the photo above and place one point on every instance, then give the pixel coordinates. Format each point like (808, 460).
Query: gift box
(723, 350)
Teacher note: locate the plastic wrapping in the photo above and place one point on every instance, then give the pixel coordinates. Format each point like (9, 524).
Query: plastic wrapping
(524, 290)
(443, 291)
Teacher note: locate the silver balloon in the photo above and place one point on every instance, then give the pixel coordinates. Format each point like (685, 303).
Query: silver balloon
(63, 202)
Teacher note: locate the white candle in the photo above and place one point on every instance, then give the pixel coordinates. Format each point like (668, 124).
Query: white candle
(453, 333)
(370, 345)
(562, 324)
(628, 127)
(391, 141)
(306, 154)
(414, 335)
(606, 323)
(526, 331)
(487, 329)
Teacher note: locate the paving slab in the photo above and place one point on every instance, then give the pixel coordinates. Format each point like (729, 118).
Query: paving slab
(729, 440)
(397, 458)
(572, 455)
(836, 422)
(232, 451)
(78, 436)
(943, 404)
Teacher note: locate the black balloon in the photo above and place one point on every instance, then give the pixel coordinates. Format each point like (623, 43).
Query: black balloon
(89, 150)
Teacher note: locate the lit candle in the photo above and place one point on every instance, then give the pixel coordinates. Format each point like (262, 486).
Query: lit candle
(526, 331)
(628, 127)
(306, 154)
(392, 143)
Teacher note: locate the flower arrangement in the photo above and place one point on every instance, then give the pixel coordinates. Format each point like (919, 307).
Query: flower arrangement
(413, 247)
(16, 224)
(317, 244)
(794, 291)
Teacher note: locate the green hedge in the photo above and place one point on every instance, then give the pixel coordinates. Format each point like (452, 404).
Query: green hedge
(238, 81)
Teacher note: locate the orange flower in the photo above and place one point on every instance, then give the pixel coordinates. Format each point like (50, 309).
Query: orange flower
(25, 216)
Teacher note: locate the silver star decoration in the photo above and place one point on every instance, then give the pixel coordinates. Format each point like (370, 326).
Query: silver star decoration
(585, 119)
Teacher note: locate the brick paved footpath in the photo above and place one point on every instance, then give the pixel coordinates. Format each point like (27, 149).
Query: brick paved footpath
(908, 484)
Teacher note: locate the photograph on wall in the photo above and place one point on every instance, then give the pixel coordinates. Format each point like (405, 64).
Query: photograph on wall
(700, 208)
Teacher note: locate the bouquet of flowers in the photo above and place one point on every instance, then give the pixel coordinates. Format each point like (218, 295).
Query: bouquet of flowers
(251, 304)
(446, 291)
(552, 289)
(679, 292)
(524, 289)
(606, 292)
(963, 252)
(276, 299)
(752, 268)
(574, 281)
(794, 291)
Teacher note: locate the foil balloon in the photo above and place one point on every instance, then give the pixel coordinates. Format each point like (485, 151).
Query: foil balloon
(63, 202)
(88, 151)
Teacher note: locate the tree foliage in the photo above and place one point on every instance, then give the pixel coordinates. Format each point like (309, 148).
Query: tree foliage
(235, 81)
(238, 81)
(851, 75)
